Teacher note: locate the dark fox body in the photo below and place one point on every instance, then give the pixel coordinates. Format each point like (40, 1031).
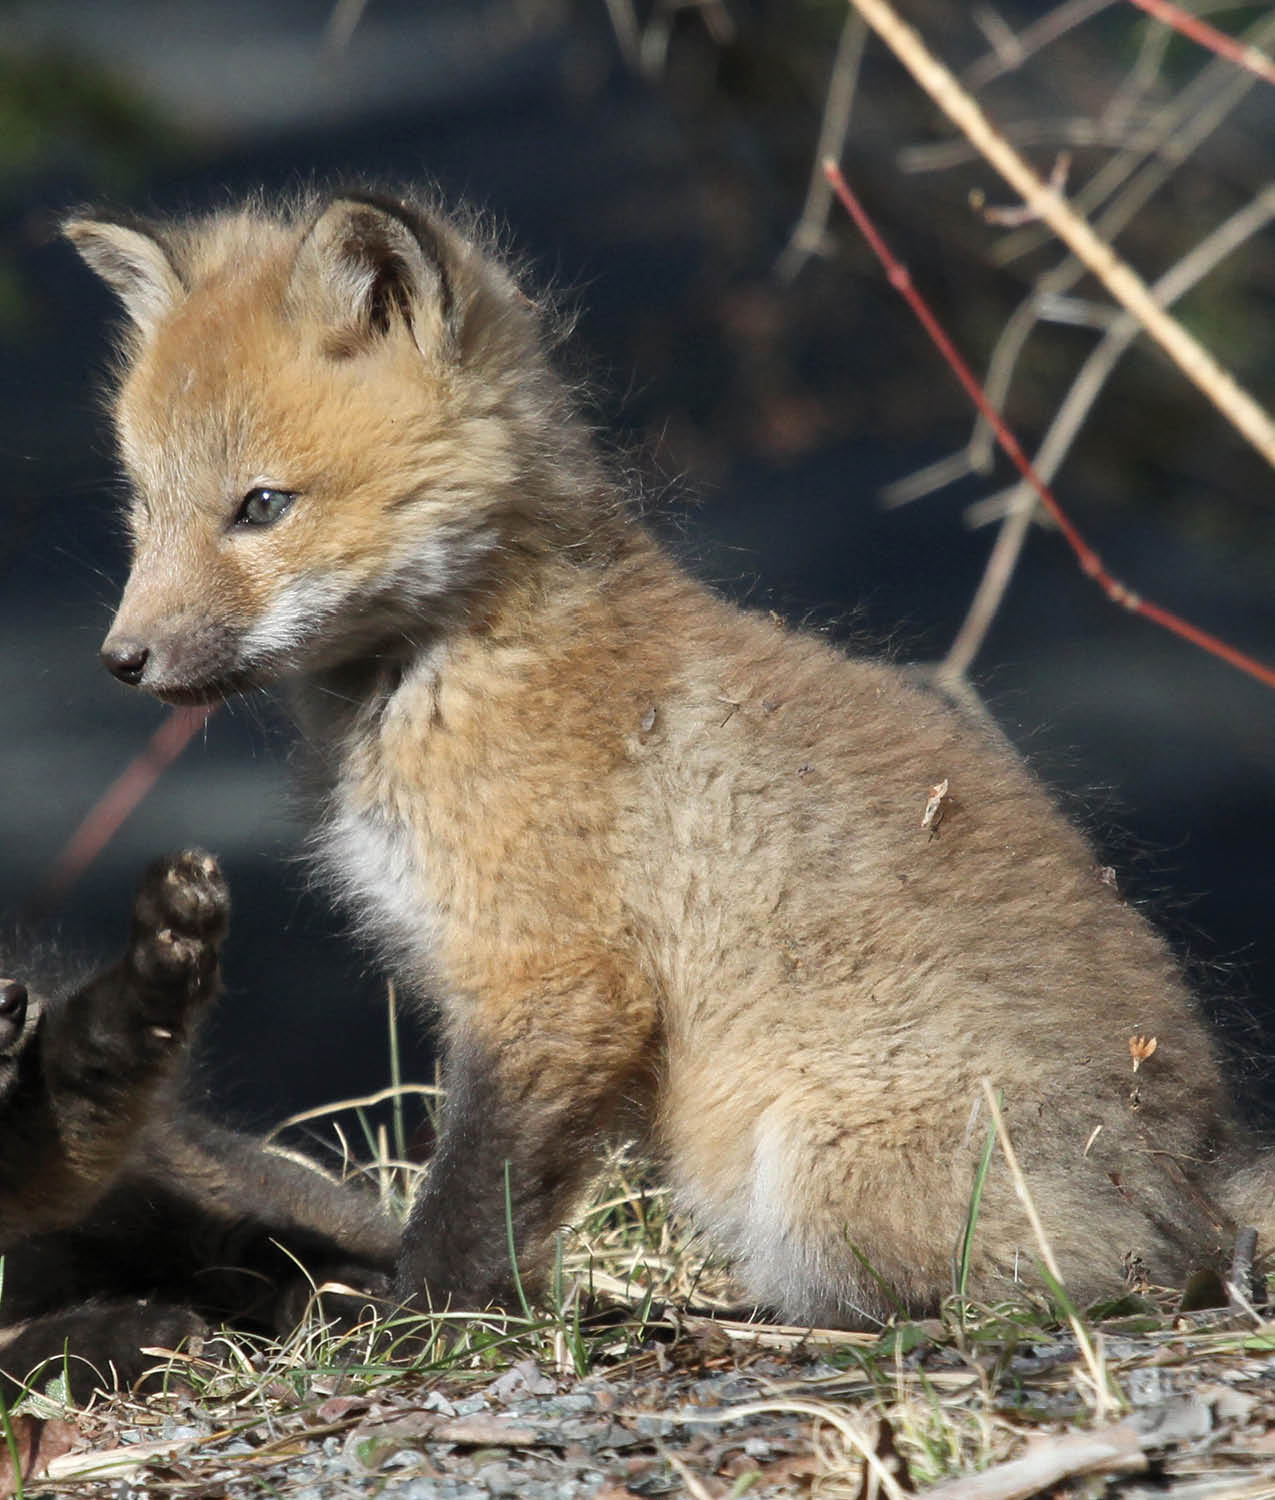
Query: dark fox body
(125, 1220)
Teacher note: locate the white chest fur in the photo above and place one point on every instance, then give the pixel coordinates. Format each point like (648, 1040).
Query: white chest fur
(369, 841)
(371, 859)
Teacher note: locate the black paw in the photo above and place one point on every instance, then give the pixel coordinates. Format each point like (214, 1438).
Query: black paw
(97, 1346)
(180, 916)
(13, 1013)
(344, 1297)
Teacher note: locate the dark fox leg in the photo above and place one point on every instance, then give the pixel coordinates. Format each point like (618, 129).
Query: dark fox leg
(87, 1074)
(128, 1222)
(205, 1226)
(97, 1346)
(109, 1045)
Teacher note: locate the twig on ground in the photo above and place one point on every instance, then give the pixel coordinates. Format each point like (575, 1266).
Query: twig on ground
(1117, 1449)
(850, 1431)
(1105, 1397)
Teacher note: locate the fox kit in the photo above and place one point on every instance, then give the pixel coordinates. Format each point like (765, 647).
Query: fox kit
(126, 1221)
(660, 862)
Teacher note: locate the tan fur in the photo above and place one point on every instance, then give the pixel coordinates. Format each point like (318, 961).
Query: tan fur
(658, 860)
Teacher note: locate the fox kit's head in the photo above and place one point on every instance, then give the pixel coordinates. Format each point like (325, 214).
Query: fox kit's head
(329, 418)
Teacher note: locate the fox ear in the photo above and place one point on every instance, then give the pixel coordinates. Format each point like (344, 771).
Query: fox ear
(133, 263)
(376, 264)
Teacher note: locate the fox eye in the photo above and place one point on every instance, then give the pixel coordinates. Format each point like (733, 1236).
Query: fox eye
(263, 506)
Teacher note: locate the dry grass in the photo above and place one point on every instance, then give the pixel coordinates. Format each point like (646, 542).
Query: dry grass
(637, 1337)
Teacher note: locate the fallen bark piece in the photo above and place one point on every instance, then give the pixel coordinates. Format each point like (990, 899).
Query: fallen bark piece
(487, 1432)
(1117, 1449)
(119, 1463)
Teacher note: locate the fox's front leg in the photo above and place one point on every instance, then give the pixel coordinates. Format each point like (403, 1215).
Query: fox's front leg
(533, 1088)
(110, 1046)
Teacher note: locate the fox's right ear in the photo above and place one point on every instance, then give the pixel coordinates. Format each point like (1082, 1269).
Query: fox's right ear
(133, 263)
(370, 263)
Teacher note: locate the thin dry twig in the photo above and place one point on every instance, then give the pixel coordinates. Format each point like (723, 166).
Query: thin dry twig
(361, 1101)
(1145, 71)
(1120, 279)
(851, 1432)
(1121, 332)
(1091, 564)
(1019, 504)
(1239, 53)
(1153, 154)
(1105, 1398)
(1118, 1449)
(1009, 53)
(811, 229)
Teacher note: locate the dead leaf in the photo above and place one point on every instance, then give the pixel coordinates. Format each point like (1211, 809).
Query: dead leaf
(1140, 1048)
(337, 1407)
(37, 1441)
(525, 1377)
(1109, 1450)
(118, 1463)
(933, 814)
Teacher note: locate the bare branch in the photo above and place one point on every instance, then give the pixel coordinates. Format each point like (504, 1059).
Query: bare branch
(1170, 138)
(108, 814)
(1031, 39)
(1019, 504)
(1252, 58)
(1093, 374)
(810, 232)
(1090, 563)
(1119, 278)
(1176, 132)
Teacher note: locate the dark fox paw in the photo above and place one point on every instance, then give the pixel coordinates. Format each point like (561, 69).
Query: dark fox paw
(344, 1297)
(13, 1013)
(180, 916)
(98, 1346)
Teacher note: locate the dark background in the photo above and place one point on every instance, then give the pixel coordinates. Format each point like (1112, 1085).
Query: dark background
(760, 415)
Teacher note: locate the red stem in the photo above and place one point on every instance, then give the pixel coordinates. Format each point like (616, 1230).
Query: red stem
(1240, 53)
(108, 814)
(1089, 561)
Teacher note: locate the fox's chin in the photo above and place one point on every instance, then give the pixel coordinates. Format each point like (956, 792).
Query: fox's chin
(205, 694)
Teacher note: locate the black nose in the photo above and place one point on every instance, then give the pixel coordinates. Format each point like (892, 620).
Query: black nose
(13, 1003)
(125, 660)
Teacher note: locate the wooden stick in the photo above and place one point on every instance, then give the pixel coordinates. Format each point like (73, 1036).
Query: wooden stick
(1119, 278)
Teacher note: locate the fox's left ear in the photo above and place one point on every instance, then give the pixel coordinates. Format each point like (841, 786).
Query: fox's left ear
(375, 264)
(133, 263)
